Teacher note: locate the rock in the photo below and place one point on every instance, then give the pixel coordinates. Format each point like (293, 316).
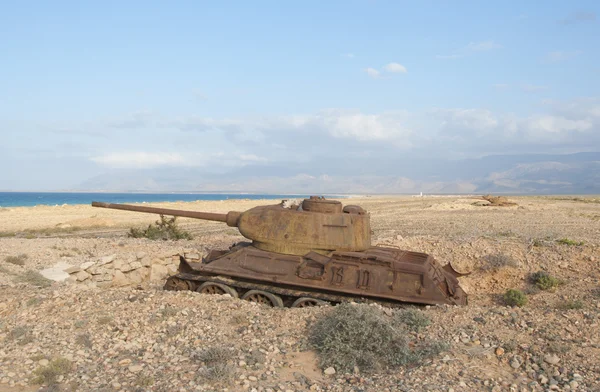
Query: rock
(499, 351)
(72, 270)
(86, 265)
(107, 259)
(126, 267)
(97, 270)
(140, 255)
(82, 275)
(329, 371)
(543, 379)
(515, 364)
(158, 272)
(574, 384)
(119, 279)
(135, 368)
(135, 276)
(43, 362)
(252, 378)
(146, 261)
(552, 359)
(135, 265)
(57, 272)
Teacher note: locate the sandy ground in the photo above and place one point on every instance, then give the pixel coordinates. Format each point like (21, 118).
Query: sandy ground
(452, 229)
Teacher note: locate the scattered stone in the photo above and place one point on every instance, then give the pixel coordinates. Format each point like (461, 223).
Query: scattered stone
(329, 371)
(552, 359)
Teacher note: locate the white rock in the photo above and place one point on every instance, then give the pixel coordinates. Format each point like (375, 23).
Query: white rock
(135, 368)
(82, 275)
(158, 272)
(140, 255)
(107, 259)
(57, 272)
(86, 265)
(329, 371)
(73, 270)
(43, 362)
(552, 359)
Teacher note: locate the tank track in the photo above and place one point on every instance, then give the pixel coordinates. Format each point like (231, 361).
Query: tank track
(290, 297)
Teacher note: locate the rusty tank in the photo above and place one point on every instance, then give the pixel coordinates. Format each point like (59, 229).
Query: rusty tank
(307, 253)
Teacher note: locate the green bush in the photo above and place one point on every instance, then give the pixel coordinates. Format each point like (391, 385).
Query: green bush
(544, 281)
(514, 297)
(569, 242)
(361, 335)
(163, 229)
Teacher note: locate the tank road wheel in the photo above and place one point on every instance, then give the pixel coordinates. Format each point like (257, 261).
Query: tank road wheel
(177, 284)
(305, 302)
(263, 297)
(216, 288)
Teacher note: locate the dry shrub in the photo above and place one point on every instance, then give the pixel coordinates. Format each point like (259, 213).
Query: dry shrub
(362, 336)
(34, 278)
(17, 260)
(217, 369)
(496, 261)
(48, 374)
(163, 229)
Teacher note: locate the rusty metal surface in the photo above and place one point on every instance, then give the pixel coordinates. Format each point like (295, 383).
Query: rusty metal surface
(322, 251)
(378, 273)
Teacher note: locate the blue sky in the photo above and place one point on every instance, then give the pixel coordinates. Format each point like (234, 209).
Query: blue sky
(91, 88)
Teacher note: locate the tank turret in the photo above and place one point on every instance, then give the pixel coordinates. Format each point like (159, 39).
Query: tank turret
(315, 224)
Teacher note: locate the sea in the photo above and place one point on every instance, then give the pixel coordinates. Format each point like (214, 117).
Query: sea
(28, 199)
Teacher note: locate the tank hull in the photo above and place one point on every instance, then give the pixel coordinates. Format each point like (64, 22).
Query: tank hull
(379, 274)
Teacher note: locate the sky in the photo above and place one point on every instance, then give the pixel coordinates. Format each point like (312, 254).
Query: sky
(338, 95)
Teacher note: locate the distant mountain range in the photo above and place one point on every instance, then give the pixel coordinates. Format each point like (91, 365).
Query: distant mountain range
(528, 174)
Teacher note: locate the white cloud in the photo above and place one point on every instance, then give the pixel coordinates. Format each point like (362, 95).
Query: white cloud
(348, 55)
(482, 46)
(372, 72)
(140, 160)
(395, 68)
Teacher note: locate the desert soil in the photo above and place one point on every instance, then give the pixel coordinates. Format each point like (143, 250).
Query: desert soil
(144, 338)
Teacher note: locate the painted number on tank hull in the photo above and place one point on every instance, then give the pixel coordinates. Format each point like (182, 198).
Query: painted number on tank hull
(337, 275)
(364, 279)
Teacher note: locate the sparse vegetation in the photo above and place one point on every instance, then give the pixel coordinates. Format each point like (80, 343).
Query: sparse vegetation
(413, 319)
(544, 281)
(84, 339)
(496, 261)
(144, 381)
(48, 374)
(6, 234)
(17, 260)
(514, 297)
(570, 242)
(34, 278)
(362, 336)
(34, 301)
(168, 311)
(163, 229)
(217, 369)
(571, 304)
(103, 320)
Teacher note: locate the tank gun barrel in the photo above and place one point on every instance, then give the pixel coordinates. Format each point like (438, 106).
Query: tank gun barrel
(231, 218)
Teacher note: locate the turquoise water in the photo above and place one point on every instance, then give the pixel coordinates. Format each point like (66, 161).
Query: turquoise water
(26, 199)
